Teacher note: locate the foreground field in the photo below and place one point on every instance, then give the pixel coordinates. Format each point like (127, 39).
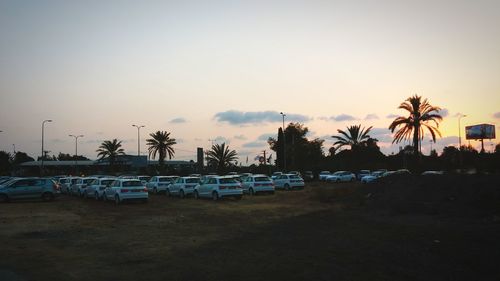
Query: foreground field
(325, 232)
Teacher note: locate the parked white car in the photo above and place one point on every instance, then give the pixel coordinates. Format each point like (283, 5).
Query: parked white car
(78, 188)
(372, 177)
(159, 184)
(96, 188)
(288, 181)
(257, 184)
(341, 176)
(182, 186)
(218, 187)
(323, 174)
(275, 175)
(126, 189)
(362, 173)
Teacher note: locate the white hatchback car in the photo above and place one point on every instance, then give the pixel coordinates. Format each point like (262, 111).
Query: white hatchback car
(126, 189)
(96, 188)
(288, 182)
(341, 176)
(78, 188)
(257, 184)
(183, 186)
(323, 175)
(158, 184)
(218, 187)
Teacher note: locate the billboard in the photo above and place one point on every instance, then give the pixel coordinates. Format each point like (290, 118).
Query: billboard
(481, 131)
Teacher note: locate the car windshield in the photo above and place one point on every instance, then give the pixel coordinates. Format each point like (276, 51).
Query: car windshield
(165, 179)
(227, 180)
(107, 182)
(338, 173)
(192, 180)
(132, 183)
(294, 177)
(262, 179)
(88, 181)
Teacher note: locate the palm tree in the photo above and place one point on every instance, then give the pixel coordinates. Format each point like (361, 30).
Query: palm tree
(110, 149)
(161, 143)
(422, 115)
(220, 156)
(354, 137)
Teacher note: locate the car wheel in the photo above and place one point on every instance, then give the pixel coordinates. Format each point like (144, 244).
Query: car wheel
(181, 194)
(96, 196)
(117, 200)
(47, 196)
(337, 181)
(215, 196)
(167, 192)
(4, 198)
(155, 190)
(196, 195)
(250, 191)
(287, 186)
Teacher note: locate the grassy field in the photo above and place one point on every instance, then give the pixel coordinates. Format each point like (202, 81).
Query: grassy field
(325, 232)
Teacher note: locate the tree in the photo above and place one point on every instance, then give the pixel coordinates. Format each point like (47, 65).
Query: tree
(111, 149)
(5, 165)
(422, 115)
(161, 143)
(301, 153)
(354, 137)
(220, 156)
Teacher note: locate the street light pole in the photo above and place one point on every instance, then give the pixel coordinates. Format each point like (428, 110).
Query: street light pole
(138, 138)
(284, 143)
(43, 126)
(459, 131)
(76, 150)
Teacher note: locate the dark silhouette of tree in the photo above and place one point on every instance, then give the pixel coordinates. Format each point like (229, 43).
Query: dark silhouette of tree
(21, 157)
(110, 149)
(354, 137)
(220, 156)
(5, 165)
(422, 115)
(68, 157)
(161, 143)
(301, 154)
(497, 148)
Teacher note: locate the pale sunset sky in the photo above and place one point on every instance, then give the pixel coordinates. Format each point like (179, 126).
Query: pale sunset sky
(224, 70)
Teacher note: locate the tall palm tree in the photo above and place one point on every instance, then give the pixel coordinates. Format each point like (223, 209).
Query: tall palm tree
(422, 116)
(220, 156)
(110, 149)
(161, 143)
(354, 137)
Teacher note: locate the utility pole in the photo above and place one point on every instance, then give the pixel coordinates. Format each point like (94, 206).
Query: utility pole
(284, 142)
(138, 138)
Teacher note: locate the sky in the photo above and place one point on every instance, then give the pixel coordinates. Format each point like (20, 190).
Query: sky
(222, 71)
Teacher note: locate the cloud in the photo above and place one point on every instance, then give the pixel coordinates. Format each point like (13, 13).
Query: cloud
(371, 116)
(240, 137)
(381, 134)
(392, 116)
(198, 139)
(444, 112)
(343, 117)
(178, 120)
(323, 118)
(497, 115)
(265, 137)
(220, 140)
(254, 144)
(179, 140)
(235, 117)
(446, 141)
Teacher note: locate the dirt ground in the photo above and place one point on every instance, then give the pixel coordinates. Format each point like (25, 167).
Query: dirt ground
(295, 235)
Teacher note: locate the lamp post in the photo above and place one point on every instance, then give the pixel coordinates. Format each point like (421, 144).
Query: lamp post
(76, 150)
(138, 138)
(284, 142)
(430, 152)
(459, 130)
(43, 126)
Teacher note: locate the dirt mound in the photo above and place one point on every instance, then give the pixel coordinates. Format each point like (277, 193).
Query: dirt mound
(455, 195)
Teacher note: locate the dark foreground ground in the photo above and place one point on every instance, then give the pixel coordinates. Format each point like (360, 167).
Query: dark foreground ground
(445, 228)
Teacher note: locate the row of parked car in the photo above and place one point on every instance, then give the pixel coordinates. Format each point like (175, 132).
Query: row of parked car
(124, 188)
(365, 176)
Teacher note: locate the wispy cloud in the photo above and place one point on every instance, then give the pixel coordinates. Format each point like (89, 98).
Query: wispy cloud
(265, 137)
(381, 134)
(220, 140)
(371, 117)
(343, 117)
(178, 120)
(240, 137)
(444, 112)
(392, 116)
(254, 144)
(235, 117)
